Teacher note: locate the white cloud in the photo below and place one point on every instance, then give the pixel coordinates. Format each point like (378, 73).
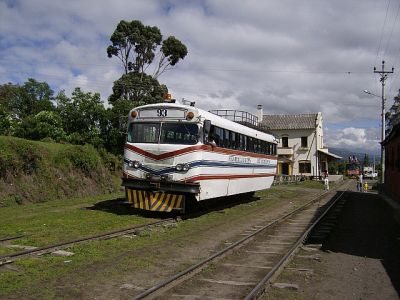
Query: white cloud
(292, 57)
(354, 139)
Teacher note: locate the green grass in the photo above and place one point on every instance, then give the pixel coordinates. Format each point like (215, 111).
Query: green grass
(311, 184)
(101, 261)
(61, 220)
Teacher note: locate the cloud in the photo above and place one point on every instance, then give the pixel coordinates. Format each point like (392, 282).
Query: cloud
(354, 139)
(292, 57)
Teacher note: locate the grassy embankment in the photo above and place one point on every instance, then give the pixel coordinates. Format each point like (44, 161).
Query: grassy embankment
(32, 172)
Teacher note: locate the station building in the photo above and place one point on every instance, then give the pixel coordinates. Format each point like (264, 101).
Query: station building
(301, 149)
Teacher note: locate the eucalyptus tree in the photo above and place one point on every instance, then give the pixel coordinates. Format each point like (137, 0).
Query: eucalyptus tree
(137, 45)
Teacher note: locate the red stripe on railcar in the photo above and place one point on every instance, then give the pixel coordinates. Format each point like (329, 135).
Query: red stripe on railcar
(196, 148)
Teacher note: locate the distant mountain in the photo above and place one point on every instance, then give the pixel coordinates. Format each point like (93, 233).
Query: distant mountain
(345, 153)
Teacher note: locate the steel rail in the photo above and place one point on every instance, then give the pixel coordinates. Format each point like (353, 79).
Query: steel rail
(171, 279)
(9, 238)
(114, 233)
(259, 288)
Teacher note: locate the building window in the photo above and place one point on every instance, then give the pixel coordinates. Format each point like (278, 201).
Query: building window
(304, 143)
(305, 167)
(285, 141)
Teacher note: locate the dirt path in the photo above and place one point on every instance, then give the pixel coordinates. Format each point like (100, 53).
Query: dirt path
(360, 259)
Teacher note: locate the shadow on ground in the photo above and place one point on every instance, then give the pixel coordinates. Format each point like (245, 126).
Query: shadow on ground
(367, 228)
(193, 209)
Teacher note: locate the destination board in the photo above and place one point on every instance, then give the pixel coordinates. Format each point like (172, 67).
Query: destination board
(162, 113)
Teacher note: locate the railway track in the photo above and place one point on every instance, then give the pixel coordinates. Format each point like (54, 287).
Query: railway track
(10, 238)
(242, 269)
(9, 258)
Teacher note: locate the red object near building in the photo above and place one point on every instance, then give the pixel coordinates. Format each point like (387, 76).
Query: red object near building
(392, 163)
(353, 169)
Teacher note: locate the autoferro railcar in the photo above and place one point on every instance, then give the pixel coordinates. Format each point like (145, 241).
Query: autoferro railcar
(175, 151)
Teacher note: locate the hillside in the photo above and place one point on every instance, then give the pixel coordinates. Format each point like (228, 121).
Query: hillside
(32, 171)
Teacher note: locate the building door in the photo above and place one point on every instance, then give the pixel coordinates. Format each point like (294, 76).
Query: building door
(285, 169)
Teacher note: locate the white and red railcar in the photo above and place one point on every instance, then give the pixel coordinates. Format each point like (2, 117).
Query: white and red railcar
(175, 151)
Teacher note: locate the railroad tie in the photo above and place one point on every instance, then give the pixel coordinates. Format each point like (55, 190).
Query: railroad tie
(263, 252)
(248, 266)
(230, 282)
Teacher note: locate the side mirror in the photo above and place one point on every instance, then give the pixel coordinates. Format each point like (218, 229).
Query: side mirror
(207, 126)
(206, 131)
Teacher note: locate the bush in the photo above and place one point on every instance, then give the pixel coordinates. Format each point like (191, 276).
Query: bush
(85, 158)
(46, 124)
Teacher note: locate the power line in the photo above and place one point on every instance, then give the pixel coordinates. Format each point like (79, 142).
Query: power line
(391, 32)
(382, 32)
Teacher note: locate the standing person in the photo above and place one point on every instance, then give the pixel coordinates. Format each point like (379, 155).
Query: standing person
(326, 180)
(326, 183)
(360, 183)
(366, 187)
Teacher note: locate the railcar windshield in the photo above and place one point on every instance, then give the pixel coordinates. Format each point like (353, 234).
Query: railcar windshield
(163, 133)
(144, 133)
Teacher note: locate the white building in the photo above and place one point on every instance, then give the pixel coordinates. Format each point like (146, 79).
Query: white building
(301, 148)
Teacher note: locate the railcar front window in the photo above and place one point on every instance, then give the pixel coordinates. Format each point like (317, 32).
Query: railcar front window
(143, 133)
(173, 133)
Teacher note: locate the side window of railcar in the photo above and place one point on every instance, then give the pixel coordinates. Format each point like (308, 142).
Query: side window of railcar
(220, 136)
(241, 142)
(255, 145)
(226, 138)
(263, 147)
(237, 141)
(260, 148)
(269, 148)
(233, 140)
(249, 143)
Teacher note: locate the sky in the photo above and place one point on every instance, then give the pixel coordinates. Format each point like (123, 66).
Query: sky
(292, 57)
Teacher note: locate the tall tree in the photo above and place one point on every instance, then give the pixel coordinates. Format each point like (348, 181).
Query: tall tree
(172, 50)
(136, 44)
(393, 115)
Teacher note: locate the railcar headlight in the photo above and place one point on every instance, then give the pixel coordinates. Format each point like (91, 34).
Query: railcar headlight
(134, 114)
(182, 167)
(134, 164)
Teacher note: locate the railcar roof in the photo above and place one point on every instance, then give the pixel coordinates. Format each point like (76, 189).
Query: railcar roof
(217, 120)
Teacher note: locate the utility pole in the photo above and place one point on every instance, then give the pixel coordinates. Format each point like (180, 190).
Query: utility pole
(384, 75)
